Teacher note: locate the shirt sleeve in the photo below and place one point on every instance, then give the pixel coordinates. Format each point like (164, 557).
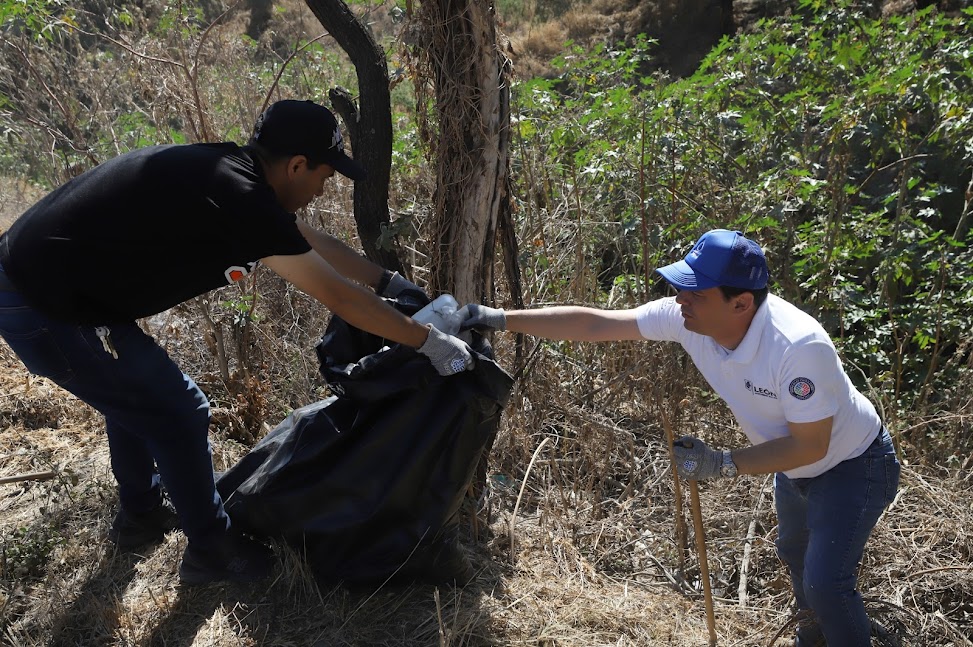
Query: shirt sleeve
(809, 378)
(660, 320)
(267, 229)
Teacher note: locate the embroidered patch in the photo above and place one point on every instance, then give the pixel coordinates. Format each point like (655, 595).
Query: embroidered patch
(801, 388)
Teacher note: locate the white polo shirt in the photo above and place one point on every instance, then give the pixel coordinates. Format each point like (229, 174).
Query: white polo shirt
(785, 370)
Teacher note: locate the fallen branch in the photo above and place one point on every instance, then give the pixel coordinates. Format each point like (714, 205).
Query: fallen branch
(32, 476)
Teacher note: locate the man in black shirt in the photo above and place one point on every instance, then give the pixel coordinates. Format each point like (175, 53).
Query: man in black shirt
(148, 230)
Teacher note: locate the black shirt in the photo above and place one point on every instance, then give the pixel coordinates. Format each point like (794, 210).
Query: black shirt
(145, 231)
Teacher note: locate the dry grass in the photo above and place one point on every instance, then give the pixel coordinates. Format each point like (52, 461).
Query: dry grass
(15, 197)
(535, 46)
(596, 560)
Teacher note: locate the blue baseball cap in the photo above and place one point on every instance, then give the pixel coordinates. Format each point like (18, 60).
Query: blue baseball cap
(719, 257)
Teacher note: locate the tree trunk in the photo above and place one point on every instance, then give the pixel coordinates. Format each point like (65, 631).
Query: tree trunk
(370, 129)
(458, 46)
(261, 12)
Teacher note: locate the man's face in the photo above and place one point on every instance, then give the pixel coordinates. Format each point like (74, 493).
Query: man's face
(303, 183)
(705, 312)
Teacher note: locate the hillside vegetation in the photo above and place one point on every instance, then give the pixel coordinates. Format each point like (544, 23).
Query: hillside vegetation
(840, 141)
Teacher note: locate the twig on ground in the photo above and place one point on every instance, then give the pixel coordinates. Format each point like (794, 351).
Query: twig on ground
(513, 516)
(748, 547)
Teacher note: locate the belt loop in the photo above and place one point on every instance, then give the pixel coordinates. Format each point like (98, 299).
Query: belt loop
(879, 436)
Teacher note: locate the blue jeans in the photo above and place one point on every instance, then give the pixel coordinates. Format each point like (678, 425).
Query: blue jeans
(823, 524)
(156, 418)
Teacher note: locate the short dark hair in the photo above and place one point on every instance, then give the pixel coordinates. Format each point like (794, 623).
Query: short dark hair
(274, 157)
(759, 296)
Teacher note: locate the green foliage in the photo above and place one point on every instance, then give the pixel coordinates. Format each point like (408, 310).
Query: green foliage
(100, 85)
(38, 18)
(26, 551)
(570, 129)
(840, 142)
(241, 310)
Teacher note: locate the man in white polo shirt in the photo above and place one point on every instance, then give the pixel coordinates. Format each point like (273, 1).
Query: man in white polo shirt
(779, 373)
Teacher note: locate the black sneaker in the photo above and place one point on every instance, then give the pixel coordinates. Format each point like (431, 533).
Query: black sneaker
(236, 559)
(129, 531)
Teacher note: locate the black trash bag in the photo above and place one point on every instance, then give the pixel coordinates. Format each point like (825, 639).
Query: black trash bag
(368, 484)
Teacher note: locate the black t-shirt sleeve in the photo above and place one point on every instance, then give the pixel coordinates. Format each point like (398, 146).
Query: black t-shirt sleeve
(148, 230)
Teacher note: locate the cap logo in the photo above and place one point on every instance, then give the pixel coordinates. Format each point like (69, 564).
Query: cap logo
(698, 249)
(336, 141)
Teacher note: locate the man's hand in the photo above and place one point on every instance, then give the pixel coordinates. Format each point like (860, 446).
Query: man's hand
(394, 284)
(446, 353)
(481, 317)
(695, 461)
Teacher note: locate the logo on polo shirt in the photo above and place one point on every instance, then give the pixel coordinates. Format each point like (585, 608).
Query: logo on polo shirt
(759, 390)
(801, 388)
(236, 273)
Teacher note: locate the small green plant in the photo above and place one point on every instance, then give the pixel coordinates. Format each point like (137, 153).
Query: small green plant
(26, 552)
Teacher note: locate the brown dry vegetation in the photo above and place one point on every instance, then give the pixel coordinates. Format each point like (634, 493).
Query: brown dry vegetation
(591, 557)
(579, 550)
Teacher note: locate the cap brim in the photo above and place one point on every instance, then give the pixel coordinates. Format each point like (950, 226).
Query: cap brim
(347, 167)
(682, 277)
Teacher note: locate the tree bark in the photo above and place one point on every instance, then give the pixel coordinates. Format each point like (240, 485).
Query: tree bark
(458, 47)
(369, 127)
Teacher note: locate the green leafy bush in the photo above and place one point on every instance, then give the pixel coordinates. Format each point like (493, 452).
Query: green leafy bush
(840, 142)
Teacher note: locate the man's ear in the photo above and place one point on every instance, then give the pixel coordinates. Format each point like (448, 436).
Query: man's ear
(743, 302)
(295, 164)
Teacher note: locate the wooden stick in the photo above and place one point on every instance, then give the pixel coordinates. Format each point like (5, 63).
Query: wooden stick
(681, 534)
(703, 564)
(33, 476)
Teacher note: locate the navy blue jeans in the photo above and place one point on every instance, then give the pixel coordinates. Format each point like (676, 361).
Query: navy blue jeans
(823, 524)
(156, 418)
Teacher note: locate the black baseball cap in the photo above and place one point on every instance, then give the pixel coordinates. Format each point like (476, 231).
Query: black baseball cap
(305, 128)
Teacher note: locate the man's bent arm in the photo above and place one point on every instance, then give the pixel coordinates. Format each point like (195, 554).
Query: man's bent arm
(310, 273)
(341, 257)
(807, 443)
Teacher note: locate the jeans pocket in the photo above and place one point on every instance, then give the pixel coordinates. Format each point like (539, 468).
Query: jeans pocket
(35, 343)
(893, 470)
